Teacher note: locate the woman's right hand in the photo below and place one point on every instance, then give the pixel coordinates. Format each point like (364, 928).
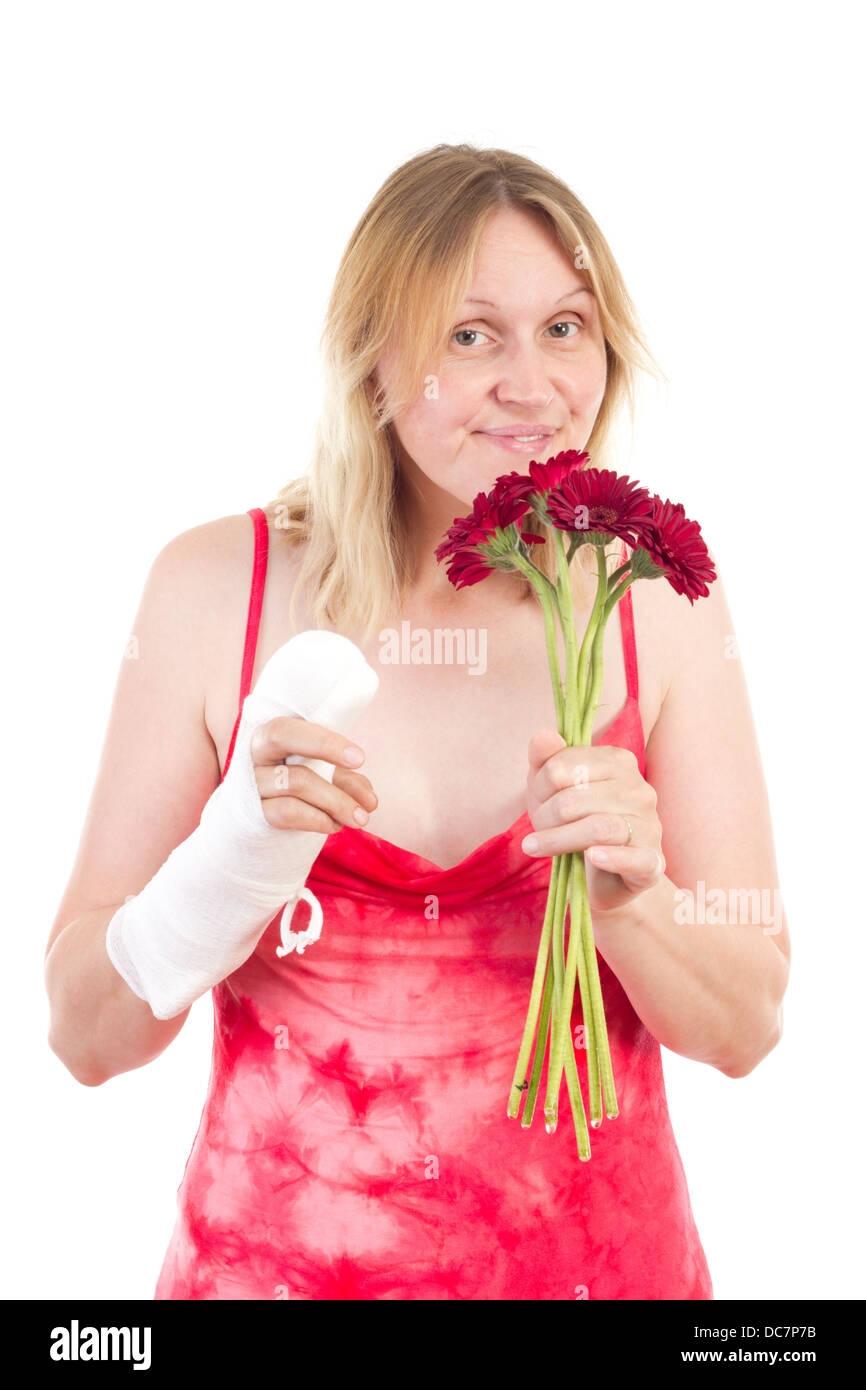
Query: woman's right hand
(296, 797)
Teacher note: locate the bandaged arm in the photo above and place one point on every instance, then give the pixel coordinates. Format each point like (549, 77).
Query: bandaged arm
(203, 912)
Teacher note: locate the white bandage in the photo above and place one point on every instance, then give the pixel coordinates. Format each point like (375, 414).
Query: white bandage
(203, 912)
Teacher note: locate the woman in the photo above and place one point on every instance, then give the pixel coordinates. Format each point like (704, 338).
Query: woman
(354, 1141)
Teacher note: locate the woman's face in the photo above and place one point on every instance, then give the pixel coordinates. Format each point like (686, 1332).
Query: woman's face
(531, 360)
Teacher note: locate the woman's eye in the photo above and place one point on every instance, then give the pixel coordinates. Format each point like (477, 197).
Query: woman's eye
(566, 323)
(476, 332)
(470, 332)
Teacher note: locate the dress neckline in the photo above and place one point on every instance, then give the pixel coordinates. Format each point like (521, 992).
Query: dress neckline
(429, 866)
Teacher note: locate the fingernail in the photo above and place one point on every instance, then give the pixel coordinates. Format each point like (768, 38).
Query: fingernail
(353, 756)
(360, 815)
(530, 844)
(599, 856)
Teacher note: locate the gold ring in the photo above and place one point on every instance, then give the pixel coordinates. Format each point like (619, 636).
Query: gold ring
(628, 823)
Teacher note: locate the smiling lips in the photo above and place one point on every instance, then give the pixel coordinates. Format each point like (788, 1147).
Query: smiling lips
(519, 439)
(521, 429)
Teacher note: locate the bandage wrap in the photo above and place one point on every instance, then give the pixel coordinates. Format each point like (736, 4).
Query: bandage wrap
(202, 914)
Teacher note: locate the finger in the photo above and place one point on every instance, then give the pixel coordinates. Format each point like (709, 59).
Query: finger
(296, 781)
(542, 746)
(575, 765)
(581, 765)
(638, 868)
(600, 828)
(277, 739)
(574, 803)
(291, 813)
(358, 786)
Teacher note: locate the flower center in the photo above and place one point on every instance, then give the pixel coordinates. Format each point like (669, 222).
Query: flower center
(603, 514)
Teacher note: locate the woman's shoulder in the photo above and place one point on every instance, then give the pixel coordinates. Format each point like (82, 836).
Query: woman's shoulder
(200, 583)
(216, 556)
(203, 577)
(672, 634)
(679, 641)
(670, 617)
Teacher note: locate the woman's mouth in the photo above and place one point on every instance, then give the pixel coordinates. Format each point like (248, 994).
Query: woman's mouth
(519, 444)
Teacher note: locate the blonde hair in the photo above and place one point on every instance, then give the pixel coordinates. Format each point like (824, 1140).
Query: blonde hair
(406, 269)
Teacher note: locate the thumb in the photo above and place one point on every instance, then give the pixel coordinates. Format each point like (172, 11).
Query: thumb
(543, 744)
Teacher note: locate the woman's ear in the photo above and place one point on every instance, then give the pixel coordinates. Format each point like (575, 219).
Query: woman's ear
(374, 392)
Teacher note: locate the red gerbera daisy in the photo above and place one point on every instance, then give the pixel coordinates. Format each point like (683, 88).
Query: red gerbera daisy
(561, 466)
(467, 566)
(487, 525)
(676, 545)
(541, 477)
(515, 487)
(598, 502)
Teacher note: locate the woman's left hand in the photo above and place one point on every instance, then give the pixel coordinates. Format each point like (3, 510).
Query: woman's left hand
(580, 797)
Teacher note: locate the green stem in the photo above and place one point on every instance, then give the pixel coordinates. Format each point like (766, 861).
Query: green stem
(601, 1061)
(592, 694)
(586, 1002)
(541, 1044)
(577, 1110)
(575, 964)
(596, 1002)
(582, 959)
(613, 579)
(587, 646)
(566, 1046)
(613, 598)
(546, 595)
(552, 995)
(566, 612)
(578, 962)
(518, 1085)
(565, 608)
(551, 1099)
(563, 970)
(547, 598)
(531, 570)
(563, 1019)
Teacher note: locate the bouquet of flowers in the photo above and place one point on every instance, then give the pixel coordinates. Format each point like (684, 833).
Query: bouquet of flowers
(585, 506)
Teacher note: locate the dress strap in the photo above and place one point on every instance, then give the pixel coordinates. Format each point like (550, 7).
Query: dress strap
(629, 648)
(254, 613)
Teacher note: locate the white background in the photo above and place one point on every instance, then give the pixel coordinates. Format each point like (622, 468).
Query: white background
(179, 182)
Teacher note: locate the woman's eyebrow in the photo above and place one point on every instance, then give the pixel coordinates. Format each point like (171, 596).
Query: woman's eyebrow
(578, 289)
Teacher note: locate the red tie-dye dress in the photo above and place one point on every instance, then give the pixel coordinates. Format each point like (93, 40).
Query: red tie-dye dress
(354, 1141)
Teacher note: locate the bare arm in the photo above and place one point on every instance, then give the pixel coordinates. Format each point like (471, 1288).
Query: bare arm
(709, 989)
(98, 1026)
(158, 768)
